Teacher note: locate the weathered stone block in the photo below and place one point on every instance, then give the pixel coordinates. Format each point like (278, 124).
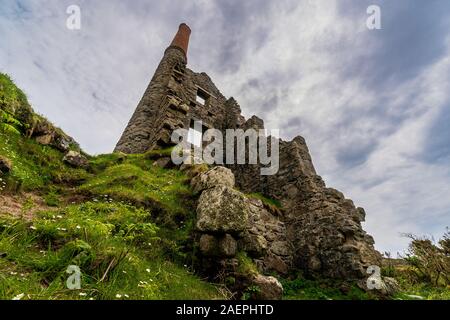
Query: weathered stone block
(227, 246)
(275, 263)
(222, 210)
(45, 139)
(218, 176)
(164, 163)
(269, 288)
(218, 246)
(208, 245)
(280, 248)
(75, 159)
(254, 244)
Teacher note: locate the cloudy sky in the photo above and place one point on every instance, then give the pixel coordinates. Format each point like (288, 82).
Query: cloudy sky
(373, 105)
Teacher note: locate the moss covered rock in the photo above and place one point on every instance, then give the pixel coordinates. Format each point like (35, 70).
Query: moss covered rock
(222, 210)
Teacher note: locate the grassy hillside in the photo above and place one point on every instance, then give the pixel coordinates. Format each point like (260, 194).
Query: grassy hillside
(116, 246)
(123, 221)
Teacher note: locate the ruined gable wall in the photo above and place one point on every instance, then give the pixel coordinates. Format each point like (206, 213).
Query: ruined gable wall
(170, 103)
(145, 121)
(323, 226)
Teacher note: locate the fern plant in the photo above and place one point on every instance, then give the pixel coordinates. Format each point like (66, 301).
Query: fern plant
(10, 124)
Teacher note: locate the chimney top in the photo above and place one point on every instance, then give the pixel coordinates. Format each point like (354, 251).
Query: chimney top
(181, 39)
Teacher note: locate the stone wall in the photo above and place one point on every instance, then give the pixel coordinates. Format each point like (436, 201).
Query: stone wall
(324, 226)
(170, 103)
(145, 125)
(229, 222)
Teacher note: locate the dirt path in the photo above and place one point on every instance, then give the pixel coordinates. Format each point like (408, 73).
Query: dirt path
(23, 205)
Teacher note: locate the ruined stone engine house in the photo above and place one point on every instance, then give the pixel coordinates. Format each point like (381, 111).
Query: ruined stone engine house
(318, 230)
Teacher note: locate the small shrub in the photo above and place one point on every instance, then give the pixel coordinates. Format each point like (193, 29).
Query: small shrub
(429, 261)
(251, 292)
(246, 265)
(52, 199)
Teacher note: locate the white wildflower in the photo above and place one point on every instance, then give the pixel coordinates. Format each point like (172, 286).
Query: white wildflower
(19, 296)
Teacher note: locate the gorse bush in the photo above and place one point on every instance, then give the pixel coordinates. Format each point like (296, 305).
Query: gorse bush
(430, 262)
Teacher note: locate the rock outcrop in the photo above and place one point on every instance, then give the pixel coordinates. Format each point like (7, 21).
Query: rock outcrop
(222, 210)
(268, 288)
(212, 178)
(76, 159)
(229, 222)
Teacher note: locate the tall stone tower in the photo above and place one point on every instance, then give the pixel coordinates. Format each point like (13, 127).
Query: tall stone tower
(175, 98)
(323, 228)
(145, 127)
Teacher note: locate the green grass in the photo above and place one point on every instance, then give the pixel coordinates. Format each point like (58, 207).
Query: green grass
(158, 153)
(267, 201)
(411, 286)
(35, 166)
(135, 180)
(426, 291)
(304, 289)
(116, 246)
(245, 264)
(14, 102)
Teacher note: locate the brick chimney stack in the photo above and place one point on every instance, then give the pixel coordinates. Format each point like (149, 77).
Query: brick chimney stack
(181, 39)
